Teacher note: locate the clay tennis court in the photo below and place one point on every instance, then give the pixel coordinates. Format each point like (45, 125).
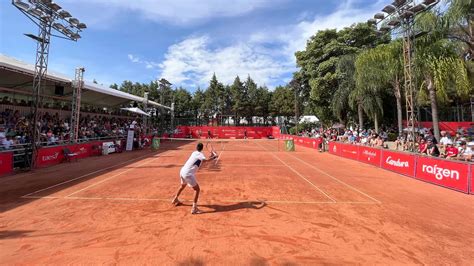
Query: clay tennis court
(262, 206)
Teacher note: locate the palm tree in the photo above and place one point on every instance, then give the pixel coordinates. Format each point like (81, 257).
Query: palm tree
(381, 67)
(345, 71)
(442, 72)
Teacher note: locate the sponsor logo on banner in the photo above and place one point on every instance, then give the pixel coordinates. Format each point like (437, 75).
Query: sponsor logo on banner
(369, 154)
(52, 157)
(440, 172)
(397, 163)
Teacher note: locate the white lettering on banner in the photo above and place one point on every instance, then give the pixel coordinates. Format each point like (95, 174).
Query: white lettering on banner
(51, 157)
(334, 149)
(82, 150)
(397, 163)
(439, 172)
(353, 152)
(369, 153)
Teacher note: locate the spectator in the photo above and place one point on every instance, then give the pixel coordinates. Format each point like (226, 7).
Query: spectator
(451, 152)
(432, 149)
(422, 147)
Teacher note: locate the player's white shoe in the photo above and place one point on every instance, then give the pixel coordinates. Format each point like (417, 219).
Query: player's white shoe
(176, 202)
(195, 210)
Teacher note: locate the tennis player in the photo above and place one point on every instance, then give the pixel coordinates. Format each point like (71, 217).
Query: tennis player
(188, 175)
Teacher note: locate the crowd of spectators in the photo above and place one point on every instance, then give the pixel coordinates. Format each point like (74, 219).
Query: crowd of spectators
(14, 128)
(457, 147)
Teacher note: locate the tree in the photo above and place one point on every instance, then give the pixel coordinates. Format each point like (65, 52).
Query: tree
(214, 100)
(345, 71)
(239, 98)
(319, 61)
(250, 92)
(382, 67)
(442, 71)
(282, 102)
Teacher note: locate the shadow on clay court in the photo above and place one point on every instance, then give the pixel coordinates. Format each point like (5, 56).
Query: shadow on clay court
(10, 234)
(256, 205)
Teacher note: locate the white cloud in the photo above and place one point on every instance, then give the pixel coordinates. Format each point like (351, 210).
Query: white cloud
(137, 60)
(177, 12)
(192, 61)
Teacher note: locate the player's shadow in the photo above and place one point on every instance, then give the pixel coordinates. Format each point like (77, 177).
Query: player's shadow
(256, 205)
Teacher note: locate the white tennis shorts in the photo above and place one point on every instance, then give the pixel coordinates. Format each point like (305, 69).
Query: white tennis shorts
(189, 179)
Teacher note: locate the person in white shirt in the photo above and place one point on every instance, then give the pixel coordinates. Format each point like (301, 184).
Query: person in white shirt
(188, 177)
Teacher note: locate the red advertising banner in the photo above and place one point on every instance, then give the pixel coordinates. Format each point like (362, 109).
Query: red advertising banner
(398, 162)
(471, 188)
(6, 163)
(50, 156)
(227, 132)
(335, 148)
(445, 173)
(349, 151)
(370, 155)
(82, 150)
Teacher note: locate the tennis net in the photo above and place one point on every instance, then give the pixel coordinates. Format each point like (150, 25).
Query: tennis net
(257, 145)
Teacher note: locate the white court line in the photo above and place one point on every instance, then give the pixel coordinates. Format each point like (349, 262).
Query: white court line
(202, 202)
(223, 148)
(300, 175)
(102, 181)
(336, 179)
(82, 176)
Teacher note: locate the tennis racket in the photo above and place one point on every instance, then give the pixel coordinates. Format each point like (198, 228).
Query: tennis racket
(211, 150)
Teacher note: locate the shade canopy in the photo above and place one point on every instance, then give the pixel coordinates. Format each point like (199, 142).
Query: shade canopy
(135, 110)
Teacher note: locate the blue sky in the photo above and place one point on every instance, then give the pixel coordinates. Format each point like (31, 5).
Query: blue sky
(184, 41)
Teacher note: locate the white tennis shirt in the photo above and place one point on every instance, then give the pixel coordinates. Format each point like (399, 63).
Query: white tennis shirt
(192, 164)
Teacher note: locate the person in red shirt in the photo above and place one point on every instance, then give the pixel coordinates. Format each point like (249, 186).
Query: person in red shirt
(451, 151)
(423, 147)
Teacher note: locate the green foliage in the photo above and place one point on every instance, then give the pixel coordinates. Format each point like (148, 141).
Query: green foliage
(319, 61)
(282, 102)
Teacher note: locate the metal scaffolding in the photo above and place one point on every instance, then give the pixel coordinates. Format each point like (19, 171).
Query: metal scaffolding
(399, 18)
(77, 86)
(47, 15)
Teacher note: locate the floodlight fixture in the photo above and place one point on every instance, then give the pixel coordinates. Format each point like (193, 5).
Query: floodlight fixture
(35, 12)
(21, 5)
(385, 28)
(36, 38)
(418, 8)
(395, 22)
(407, 14)
(399, 3)
(76, 36)
(429, 2)
(81, 25)
(372, 21)
(379, 16)
(64, 14)
(54, 6)
(389, 9)
(74, 21)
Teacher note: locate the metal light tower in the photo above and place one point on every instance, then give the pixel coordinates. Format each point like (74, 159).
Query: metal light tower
(77, 86)
(399, 18)
(47, 15)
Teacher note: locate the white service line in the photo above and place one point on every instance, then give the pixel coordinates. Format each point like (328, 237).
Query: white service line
(223, 148)
(203, 202)
(82, 176)
(102, 181)
(300, 175)
(336, 179)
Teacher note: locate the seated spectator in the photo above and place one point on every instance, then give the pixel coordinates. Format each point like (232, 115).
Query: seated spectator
(451, 152)
(379, 142)
(422, 147)
(467, 153)
(432, 149)
(7, 143)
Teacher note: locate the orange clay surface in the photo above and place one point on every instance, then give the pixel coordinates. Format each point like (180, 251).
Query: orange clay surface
(262, 207)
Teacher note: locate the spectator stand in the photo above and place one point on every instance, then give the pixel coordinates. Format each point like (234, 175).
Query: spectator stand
(100, 115)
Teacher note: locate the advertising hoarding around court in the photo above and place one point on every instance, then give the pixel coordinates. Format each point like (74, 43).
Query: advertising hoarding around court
(454, 175)
(398, 162)
(349, 151)
(6, 163)
(370, 155)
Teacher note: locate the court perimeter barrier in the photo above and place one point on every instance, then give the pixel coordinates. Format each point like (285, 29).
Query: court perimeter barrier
(6, 162)
(450, 174)
(226, 132)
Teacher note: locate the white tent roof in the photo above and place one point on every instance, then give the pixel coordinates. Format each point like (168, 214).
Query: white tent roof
(18, 75)
(135, 110)
(309, 119)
